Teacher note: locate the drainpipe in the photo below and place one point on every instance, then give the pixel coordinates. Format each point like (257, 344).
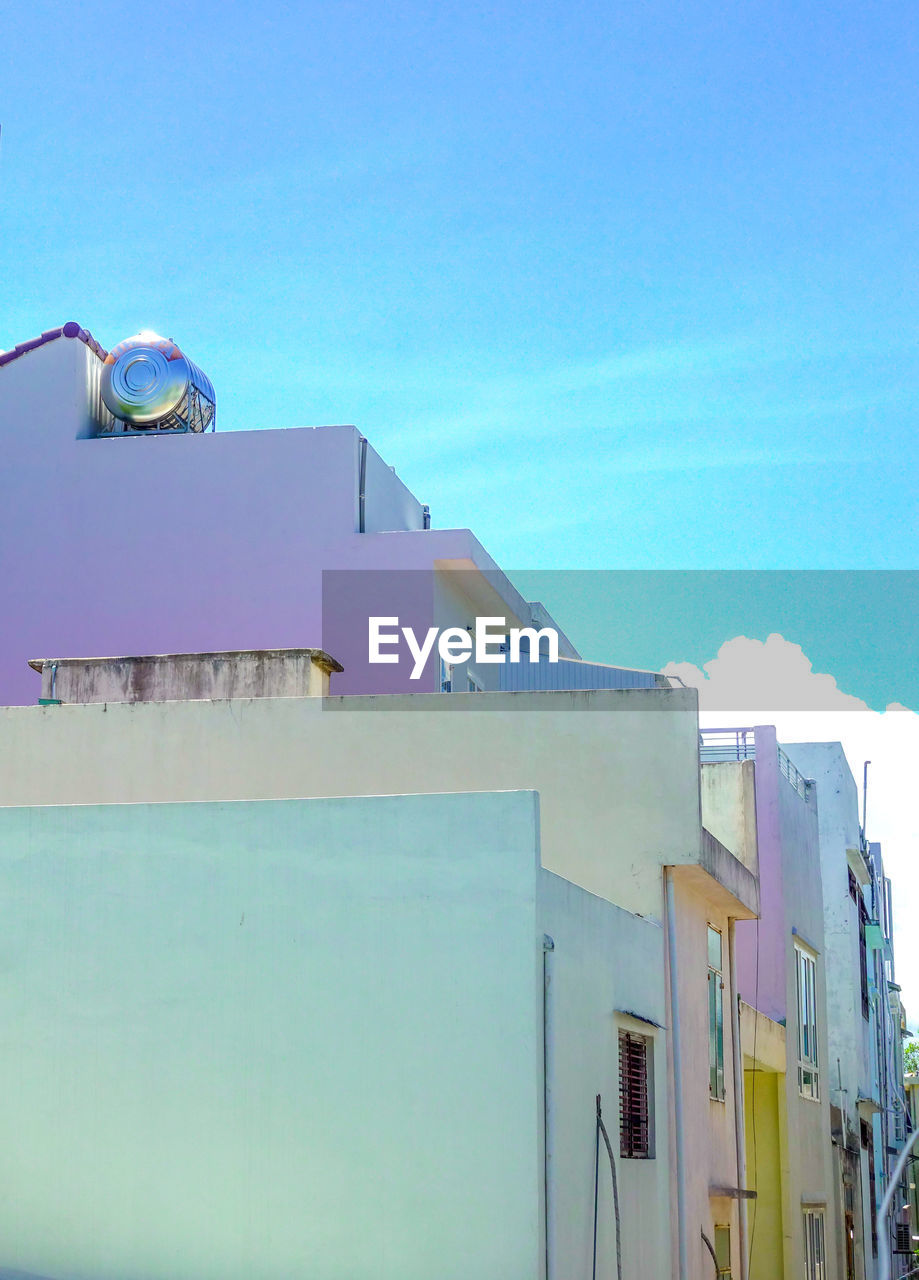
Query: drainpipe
(548, 1040)
(739, 1135)
(683, 1268)
(362, 486)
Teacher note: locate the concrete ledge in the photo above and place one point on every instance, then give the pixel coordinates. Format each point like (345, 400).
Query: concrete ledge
(168, 677)
(766, 1038)
(729, 871)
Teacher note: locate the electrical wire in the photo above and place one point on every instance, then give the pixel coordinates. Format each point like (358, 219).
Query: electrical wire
(884, 1254)
(601, 1129)
(710, 1248)
(753, 1099)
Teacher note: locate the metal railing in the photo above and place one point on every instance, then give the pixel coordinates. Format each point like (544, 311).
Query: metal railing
(797, 779)
(726, 744)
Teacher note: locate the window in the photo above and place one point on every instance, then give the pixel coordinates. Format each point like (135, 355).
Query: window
(723, 1252)
(807, 1023)
(863, 958)
(814, 1248)
(715, 1016)
(636, 1139)
(446, 677)
(473, 683)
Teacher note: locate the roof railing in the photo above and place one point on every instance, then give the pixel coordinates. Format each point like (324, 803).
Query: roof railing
(716, 745)
(797, 779)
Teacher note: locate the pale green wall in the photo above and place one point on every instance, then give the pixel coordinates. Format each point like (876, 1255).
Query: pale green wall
(271, 1040)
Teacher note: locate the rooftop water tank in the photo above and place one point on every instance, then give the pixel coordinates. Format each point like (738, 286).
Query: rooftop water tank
(150, 385)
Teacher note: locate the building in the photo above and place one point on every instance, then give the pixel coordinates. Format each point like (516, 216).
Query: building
(641, 892)
(749, 781)
(865, 1020)
(204, 551)
(203, 542)
(314, 1036)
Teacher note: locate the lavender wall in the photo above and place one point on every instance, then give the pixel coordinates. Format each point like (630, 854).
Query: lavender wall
(761, 981)
(145, 544)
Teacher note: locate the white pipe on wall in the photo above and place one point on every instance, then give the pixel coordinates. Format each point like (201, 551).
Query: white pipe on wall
(682, 1244)
(739, 1127)
(548, 948)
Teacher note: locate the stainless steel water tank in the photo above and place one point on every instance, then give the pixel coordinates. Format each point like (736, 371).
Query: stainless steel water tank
(150, 385)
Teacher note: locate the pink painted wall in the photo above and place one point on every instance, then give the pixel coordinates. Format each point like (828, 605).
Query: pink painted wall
(145, 544)
(760, 945)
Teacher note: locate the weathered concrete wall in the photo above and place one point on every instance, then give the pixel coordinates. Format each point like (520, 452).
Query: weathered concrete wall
(265, 673)
(277, 1039)
(729, 807)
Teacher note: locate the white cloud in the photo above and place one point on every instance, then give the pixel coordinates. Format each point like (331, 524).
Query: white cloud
(774, 674)
(753, 682)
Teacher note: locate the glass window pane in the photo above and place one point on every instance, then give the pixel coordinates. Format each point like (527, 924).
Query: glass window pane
(723, 1252)
(714, 949)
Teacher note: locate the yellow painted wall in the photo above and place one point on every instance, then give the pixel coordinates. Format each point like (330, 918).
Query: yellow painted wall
(762, 1104)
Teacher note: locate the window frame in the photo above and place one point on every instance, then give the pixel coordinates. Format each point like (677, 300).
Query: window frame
(636, 1140)
(814, 1242)
(863, 921)
(716, 1077)
(722, 1247)
(808, 1042)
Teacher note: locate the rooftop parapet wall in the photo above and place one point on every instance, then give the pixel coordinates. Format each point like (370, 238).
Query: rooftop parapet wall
(729, 808)
(263, 673)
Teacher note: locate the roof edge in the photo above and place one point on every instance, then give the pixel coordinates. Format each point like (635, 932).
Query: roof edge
(69, 330)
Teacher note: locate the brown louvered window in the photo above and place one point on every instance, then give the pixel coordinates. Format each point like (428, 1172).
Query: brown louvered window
(635, 1138)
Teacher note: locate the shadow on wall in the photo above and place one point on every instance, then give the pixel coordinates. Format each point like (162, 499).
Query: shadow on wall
(7, 1274)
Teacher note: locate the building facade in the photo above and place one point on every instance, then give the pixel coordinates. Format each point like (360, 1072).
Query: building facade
(868, 1105)
(781, 977)
(617, 777)
(207, 542)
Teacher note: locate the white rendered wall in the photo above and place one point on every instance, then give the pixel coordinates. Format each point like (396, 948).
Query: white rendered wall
(606, 965)
(837, 807)
(847, 1038)
(281, 1039)
(617, 770)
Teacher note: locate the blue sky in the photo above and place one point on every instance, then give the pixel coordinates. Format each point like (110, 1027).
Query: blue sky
(618, 286)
